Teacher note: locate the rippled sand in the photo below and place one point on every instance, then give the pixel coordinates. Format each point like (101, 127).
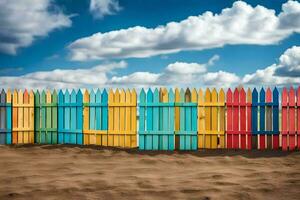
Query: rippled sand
(64, 172)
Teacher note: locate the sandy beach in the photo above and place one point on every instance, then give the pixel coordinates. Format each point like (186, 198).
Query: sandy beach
(72, 172)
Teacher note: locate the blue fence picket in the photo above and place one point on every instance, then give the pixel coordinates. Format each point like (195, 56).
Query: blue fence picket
(156, 120)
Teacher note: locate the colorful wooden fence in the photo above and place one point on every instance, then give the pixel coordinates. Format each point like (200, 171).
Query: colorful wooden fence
(156, 122)
(290, 119)
(265, 110)
(45, 117)
(167, 121)
(23, 117)
(122, 130)
(238, 130)
(95, 116)
(211, 119)
(5, 117)
(70, 117)
(186, 119)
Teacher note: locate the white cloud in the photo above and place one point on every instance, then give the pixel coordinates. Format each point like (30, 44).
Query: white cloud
(180, 74)
(100, 8)
(240, 24)
(63, 78)
(286, 72)
(23, 21)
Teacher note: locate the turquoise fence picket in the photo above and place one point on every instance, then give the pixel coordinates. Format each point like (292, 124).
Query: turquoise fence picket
(186, 120)
(5, 117)
(70, 116)
(156, 126)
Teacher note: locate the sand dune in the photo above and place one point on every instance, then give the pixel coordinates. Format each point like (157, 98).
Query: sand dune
(70, 172)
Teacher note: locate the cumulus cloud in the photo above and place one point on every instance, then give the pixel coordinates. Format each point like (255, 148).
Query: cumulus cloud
(23, 21)
(180, 74)
(64, 78)
(100, 8)
(240, 24)
(286, 72)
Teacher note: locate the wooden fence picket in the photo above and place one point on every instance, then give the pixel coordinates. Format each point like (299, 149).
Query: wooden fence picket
(238, 119)
(186, 119)
(95, 117)
(156, 130)
(46, 117)
(122, 131)
(70, 116)
(298, 118)
(5, 117)
(23, 117)
(211, 119)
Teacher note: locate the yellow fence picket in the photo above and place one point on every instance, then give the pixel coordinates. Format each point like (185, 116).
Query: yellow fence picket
(222, 119)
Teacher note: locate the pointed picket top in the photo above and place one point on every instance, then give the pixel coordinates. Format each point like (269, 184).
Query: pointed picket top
(54, 96)
(298, 97)
(104, 96)
(249, 96)
(200, 96)
(60, 96)
(177, 95)
(3, 96)
(79, 96)
(207, 95)
(214, 95)
(171, 95)
(8, 96)
(229, 95)
(236, 95)
(269, 95)
(111, 96)
(122, 96)
(73, 96)
(43, 97)
(26, 97)
(31, 98)
(221, 96)
(262, 95)
(128, 96)
(48, 96)
(86, 96)
(275, 95)
(156, 95)
(143, 96)
(292, 96)
(149, 96)
(254, 96)
(194, 95)
(21, 96)
(37, 97)
(242, 96)
(165, 96)
(15, 97)
(187, 95)
(117, 96)
(98, 96)
(133, 96)
(182, 95)
(92, 96)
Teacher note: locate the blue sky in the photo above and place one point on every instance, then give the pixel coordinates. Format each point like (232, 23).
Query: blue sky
(148, 57)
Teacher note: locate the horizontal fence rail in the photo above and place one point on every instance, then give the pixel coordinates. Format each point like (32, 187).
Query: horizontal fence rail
(159, 119)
